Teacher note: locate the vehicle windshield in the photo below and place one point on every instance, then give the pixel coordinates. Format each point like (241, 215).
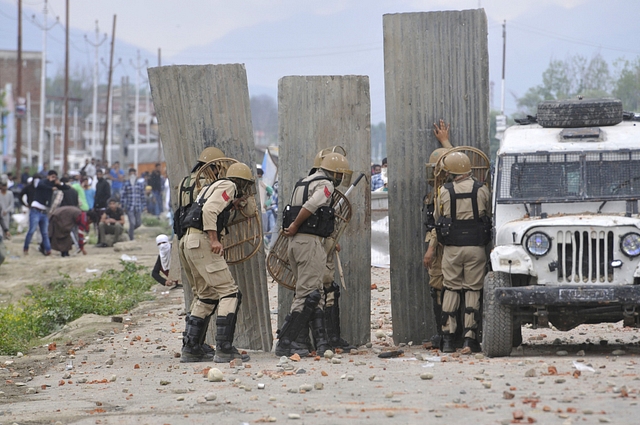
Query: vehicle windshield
(568, 177)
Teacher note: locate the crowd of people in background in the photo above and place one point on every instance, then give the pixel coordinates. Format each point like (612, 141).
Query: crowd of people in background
(89, 192)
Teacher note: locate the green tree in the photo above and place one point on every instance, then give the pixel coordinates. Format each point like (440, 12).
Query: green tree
(627, 85)
(564, 79)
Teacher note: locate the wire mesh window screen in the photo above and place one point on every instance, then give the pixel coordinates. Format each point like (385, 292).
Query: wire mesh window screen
(569, 176)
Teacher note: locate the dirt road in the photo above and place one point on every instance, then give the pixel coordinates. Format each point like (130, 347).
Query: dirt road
(104, 372)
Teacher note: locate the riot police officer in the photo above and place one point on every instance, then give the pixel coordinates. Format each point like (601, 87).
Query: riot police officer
(463, 226)
(213, 284)
(307, 220)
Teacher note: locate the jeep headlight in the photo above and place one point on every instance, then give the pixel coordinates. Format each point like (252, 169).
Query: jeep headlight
(630, 244)
(538, 244)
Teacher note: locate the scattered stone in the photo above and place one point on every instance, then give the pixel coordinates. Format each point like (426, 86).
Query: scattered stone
(293, 416)
(261, 386)
(301, 371)
(336, 361)
(109, 362)
(389, 414)
(318, 386)
(350, 378)
(181, 398)
(113, 378)
(328, 354)
(530, 373)
(618, 353)
(604, 420)
(486, 384)
(368, 345)
(210, 396)
(479, 356)
(295, 357)
(380, 334)
(508, 395)
(541, 381)
(306, 387)
(580, 353)
(562, 353)
(164, 383)
(560, 380)
(31, 390)
(215, 375)
(293, 390)
(426, 376)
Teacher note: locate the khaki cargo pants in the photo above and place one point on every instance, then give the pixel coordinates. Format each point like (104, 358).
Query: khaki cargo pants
(210, 276)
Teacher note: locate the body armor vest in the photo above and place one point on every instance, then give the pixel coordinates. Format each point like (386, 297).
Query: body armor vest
(321, 223)
(472, 232)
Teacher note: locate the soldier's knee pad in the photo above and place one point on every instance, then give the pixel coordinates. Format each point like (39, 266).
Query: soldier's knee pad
(312, 300)
(334, 287)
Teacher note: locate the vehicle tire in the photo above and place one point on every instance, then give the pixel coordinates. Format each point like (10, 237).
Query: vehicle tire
(497, 337)
(573, 113)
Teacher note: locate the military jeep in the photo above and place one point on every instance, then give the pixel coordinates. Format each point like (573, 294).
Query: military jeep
(566, 250)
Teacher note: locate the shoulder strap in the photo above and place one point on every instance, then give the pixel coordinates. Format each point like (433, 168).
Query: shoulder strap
(305, 195)
(455, 196)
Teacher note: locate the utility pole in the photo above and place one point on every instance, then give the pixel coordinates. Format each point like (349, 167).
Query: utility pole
(501, 120)
(43, 87)
(52, 136)
(104, 142)
(43, 83)
(19, 93)
(65, 159)
(29, 158)
(136, 131)
(95, 124)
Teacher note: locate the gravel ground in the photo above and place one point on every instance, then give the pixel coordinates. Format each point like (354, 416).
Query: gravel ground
(112, 372)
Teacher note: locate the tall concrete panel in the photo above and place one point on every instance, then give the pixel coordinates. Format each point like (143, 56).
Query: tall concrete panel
(315, 112)
(208, 105)
(436, 67)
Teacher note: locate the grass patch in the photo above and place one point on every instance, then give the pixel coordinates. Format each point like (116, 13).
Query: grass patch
(48, 309)
(151, 221)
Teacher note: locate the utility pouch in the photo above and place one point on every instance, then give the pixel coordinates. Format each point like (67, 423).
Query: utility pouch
(443, 229)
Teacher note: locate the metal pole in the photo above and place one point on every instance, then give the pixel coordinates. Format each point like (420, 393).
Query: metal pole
(75, 127)
(65, 160)
(504, 54)
(19, 92)
(106, 134)
(136, 121)
(43, 85)
(29, 157)
(52, 136)
(94, 119)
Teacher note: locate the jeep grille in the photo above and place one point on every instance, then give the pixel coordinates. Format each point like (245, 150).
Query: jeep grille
(585, 256)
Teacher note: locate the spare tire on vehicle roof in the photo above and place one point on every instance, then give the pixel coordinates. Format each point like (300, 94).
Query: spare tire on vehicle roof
(573, 113)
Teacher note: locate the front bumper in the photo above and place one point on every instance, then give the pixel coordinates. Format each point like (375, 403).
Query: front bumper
(568, 295)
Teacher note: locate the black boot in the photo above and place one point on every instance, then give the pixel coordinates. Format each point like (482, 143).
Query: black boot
(225, 351)
(287, 345)
(192, 351)
(206, 347)
(448, 343)
(319, 332)
(473, 344)
(304, 338)
(332, 321)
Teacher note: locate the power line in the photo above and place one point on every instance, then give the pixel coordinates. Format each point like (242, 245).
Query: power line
(557, 36)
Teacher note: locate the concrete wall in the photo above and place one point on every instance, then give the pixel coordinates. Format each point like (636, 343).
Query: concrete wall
(436, 66)
(316, 112)
(201, 106)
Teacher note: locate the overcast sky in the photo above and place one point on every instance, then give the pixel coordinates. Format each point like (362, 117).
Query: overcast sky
(332, 37)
